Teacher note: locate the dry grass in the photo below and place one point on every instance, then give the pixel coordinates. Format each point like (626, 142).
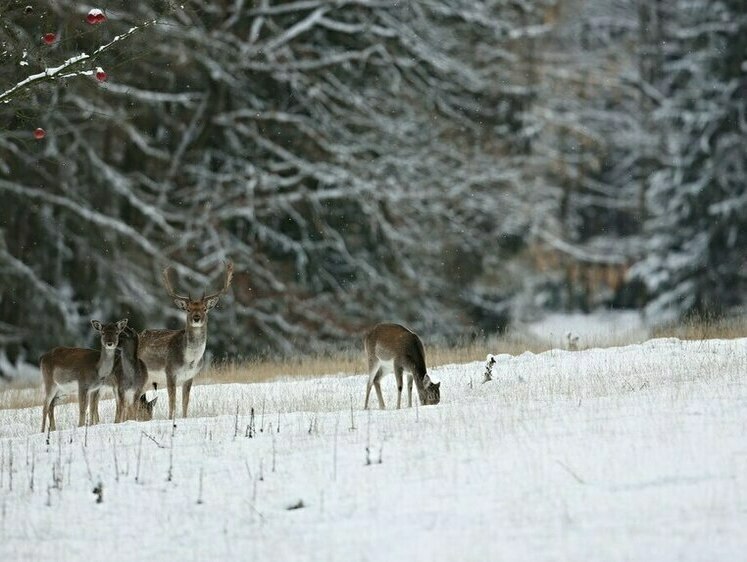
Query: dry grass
(351, 361)
(14, 398)
(705, 329)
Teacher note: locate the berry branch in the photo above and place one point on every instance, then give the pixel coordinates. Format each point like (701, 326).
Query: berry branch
(70, 67)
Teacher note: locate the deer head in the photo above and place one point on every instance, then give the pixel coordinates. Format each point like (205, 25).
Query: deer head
(432, 391)
(144, 411)
(109, 332)
(197, 309)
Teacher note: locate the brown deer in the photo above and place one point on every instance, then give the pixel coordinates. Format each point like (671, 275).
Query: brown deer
(130, 376)
(176, 356)
(395, 344)
(89, 368)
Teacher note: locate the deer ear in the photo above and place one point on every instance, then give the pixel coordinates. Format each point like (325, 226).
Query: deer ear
(211, 302)
(181, 304)
(96, 325)
(122, 324)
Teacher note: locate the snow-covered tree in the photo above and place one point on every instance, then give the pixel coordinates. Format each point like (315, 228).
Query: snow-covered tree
(694, 258)
(350, 157)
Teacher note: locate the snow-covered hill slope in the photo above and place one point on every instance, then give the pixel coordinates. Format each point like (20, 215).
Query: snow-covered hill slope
(636, 452)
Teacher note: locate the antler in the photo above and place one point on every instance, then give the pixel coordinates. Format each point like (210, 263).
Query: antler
(226, 282)
(170, 287)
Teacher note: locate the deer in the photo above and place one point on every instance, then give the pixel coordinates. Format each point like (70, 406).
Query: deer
(129, 378)
(403, 349)
(175, 357)
(62, 367)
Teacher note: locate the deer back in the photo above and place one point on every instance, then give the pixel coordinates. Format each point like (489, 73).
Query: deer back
(64, 365)
(393, 342)
(160, 348)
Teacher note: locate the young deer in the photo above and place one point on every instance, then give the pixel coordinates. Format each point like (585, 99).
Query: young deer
(176, 356)
(89, 368)
(130, 376)
(393, 343)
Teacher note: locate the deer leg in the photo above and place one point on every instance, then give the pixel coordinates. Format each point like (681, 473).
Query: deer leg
(398, 377)
(45, 409)
(117, 404)
(186, 388)
(93, 407)
(52, 404)
(377, 386)
(372, 378)
(368, 392)
(171, 389)
(135, 406)
(82, 405)
(372, 373)
(409, 390)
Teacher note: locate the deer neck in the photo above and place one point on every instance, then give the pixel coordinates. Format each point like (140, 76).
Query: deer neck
(106, 362)
(194, 342)
(419, 384)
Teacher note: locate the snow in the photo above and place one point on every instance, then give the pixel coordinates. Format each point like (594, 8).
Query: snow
(629, 453)
(594, 329)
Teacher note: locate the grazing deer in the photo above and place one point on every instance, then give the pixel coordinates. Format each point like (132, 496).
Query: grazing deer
(89, 368)
(402, 347)
(176, 356)
(130, 376)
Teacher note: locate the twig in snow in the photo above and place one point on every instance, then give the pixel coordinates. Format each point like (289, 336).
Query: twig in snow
(273, 449)
(488, 376)
(88, 466)
(575, 476)
(250, 431)
(139, 450)
(199, 493)
(170, 474)
(99, 491)
(116, 463)
(153, 439)
(33, 464)
(352, 417)
(236, 422)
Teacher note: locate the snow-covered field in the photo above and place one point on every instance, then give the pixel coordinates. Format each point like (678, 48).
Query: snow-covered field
(638, 452)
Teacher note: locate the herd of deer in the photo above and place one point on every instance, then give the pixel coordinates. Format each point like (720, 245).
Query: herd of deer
(129, 363)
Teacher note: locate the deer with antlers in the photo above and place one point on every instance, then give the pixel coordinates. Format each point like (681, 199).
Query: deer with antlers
(175, 357)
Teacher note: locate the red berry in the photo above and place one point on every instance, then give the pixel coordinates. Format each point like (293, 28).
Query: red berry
(95, 16)
(100, 74)
(49, 38)
(40, 133)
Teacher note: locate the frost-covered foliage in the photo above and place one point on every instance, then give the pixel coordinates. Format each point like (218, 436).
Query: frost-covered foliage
(694, 258)
(345, 155)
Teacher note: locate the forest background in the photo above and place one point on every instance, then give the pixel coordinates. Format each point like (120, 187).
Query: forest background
(456, 165)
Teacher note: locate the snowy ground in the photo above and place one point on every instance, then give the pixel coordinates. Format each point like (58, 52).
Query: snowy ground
(632, 453)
